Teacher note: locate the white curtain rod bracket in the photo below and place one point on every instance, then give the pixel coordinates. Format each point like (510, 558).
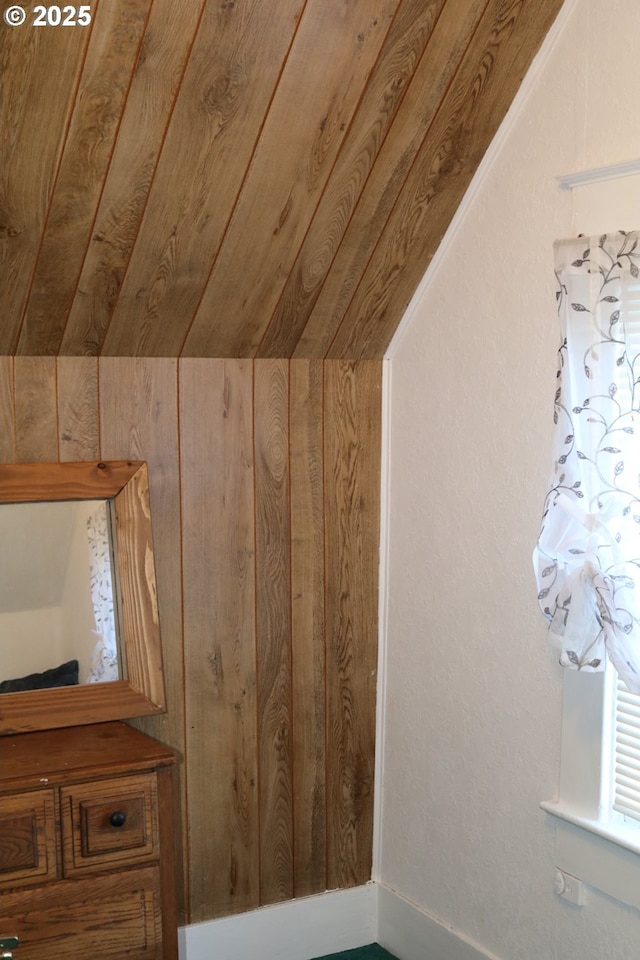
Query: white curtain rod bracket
(597, 174)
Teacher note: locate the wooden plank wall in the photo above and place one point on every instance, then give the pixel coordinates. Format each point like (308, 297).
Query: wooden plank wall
(264, 483)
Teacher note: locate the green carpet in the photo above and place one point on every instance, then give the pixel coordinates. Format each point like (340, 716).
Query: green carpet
(373, 952)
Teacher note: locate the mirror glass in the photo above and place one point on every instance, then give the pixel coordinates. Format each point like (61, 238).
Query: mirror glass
(57, 582)
(79, 615)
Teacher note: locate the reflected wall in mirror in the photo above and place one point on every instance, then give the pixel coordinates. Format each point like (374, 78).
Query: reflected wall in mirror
(79, 632)
(57, 582)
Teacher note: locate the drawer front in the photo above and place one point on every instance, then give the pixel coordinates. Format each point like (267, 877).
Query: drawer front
(109, 916)
(109, 823)
(27, 839)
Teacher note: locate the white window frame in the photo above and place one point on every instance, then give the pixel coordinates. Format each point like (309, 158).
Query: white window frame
(592, 844)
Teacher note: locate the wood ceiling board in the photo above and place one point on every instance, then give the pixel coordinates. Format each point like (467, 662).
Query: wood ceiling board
(39, 70)
(233, 69)
(403, 47)
(498, 57)
(219, 184)
(440, 61)
(333, 54)
(115, 38)
(158, 72)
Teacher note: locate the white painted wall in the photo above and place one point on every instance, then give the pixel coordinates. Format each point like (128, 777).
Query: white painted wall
(472, 701)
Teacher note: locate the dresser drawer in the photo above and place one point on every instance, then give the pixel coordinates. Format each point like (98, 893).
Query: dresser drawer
(109, 823)
(27, 838)
(110, 916)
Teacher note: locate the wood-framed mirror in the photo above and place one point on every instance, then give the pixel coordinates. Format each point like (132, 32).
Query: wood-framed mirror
(138, 689)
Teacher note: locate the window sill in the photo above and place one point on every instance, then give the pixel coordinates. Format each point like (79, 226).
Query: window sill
(629, 839)
(605, 857)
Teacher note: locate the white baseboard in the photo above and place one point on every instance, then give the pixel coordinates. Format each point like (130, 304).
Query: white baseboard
(325, 924)
(409, 934)
(295, 930)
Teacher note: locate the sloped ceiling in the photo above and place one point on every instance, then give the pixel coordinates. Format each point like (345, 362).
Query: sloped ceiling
(241, 178)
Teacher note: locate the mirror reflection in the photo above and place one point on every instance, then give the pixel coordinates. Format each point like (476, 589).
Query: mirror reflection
(58, 615)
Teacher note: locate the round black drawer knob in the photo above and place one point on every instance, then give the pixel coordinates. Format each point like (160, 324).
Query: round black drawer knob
(117, 819)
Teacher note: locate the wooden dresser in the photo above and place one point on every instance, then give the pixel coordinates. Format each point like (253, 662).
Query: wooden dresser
(86, 845)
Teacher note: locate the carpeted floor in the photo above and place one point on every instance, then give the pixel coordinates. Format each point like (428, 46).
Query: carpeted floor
(373, 952)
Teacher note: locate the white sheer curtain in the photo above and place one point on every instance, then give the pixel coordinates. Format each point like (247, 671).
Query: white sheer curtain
(587, 559)
(104, 657)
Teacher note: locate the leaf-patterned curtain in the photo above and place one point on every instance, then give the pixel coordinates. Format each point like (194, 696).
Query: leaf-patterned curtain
(104, 657)
(587, 559)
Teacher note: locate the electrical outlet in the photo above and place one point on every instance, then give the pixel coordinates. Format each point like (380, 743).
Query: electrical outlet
(569, 888)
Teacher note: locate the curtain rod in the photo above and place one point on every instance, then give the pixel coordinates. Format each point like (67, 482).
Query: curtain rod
(596, 174)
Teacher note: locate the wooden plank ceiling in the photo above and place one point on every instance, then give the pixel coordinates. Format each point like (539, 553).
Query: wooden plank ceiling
(241, 178)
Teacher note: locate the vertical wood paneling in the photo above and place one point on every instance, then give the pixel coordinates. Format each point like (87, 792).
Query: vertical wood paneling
(233, 68)
(78, 408)
(330, 59)
(36, 409)
(308, 627)
(35, 105)
(266, 548)
(216, 424)
(106, 74)
(352, 479)
(273, 628)
(154, 85)
(7, 413)
(139, 420)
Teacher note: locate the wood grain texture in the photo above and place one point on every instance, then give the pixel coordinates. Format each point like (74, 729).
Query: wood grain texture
(121, 881)
(273, 628)
(129, 919)
(78, 426)
(234, 65)
(64, 706)
(139, 418)
(156, 80)
(121, 750)
(405, 42)
(352, 509)
(137, 582)
(334, 50)
(35, 106)
(264, 482)
(216, 423)
(308, 627)
(442, 52)
(32, 482)
(471, 111)
(142, 691)
(7, 412)
(27, 839)
(243, 178)
(106, 75)
(36, 409)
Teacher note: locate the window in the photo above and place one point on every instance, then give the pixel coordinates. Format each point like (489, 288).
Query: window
(588, 561)
(596, 842)
(621, 755)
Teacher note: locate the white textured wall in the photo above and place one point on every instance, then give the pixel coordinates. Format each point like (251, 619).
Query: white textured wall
(472, 710)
